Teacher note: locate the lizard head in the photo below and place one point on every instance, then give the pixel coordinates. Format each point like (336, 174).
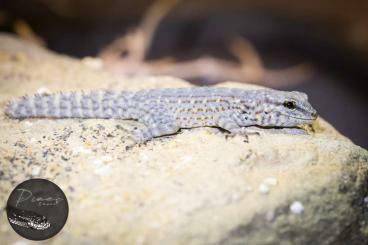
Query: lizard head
(279, 109)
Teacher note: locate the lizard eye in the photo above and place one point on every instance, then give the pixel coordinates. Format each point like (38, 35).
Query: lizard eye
(290, 104)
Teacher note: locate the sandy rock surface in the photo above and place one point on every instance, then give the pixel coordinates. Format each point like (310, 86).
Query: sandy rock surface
(196, 187)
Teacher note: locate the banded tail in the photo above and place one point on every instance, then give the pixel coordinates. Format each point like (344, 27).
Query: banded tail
(94, 104)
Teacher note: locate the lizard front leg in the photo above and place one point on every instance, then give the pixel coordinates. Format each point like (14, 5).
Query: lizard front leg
(230, 125)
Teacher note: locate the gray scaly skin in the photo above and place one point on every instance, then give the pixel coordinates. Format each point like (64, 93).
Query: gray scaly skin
(165, 111)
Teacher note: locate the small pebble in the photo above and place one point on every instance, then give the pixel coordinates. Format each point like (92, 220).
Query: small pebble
(263, 188)
(365, 200)
(297, 207)
(36, 170)
(266, 184)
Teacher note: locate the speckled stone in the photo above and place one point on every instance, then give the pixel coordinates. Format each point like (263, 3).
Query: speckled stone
(197, 187)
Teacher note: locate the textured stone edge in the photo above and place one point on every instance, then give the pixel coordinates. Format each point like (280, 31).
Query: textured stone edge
(340, 216)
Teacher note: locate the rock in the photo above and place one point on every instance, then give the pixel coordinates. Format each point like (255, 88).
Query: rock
(196, 187)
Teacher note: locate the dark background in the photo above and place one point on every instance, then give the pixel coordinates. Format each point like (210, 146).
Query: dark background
(332, 35)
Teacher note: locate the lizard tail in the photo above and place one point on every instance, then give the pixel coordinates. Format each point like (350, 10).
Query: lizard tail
(94, 104)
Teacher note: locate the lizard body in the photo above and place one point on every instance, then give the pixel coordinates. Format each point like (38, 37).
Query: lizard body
(165, 111)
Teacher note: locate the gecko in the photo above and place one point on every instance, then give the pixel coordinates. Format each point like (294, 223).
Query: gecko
(27, 219)
(165, 111)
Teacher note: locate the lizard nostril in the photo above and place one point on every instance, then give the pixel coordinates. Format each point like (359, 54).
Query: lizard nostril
(314, 114)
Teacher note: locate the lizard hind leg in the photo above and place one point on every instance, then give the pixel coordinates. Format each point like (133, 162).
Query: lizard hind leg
(158, 124)
(156, 130)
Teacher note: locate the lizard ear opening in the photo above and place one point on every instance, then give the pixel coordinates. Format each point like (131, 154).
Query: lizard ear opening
(289, 104)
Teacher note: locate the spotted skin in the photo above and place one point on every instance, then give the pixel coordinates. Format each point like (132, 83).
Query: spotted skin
(165, 111)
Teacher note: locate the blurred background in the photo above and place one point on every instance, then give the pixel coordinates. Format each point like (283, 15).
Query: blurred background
(319, 47)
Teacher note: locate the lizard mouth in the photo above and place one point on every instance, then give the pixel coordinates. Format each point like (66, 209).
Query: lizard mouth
(302, 118)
